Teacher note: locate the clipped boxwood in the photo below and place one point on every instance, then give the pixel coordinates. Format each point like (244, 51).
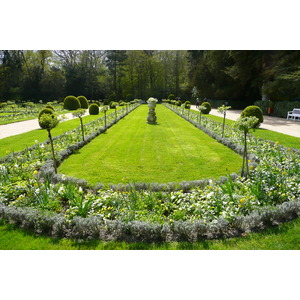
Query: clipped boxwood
(208, 108)
(46, 110)
(71, 103)
(187, 104)
(49, 106)
(113, 104)
(171, 97)
(253, 111)
(83, 102)
(94, 109)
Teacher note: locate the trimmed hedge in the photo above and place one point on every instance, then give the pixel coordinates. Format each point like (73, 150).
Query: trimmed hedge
(253, 111)
(71, 103)
(94, 109)
(208, 108)
(83, 102)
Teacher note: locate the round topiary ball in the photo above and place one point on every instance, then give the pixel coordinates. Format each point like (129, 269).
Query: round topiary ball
(112, 104)
(47, 119)
(71, 103)
(171, 97)
(94, 109)
(83, 102)
(254, 111)
(208, 108)
(49, 106)
(46, 111)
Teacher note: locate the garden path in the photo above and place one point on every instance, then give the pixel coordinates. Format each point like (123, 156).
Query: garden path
(24, 126)
(280, 125)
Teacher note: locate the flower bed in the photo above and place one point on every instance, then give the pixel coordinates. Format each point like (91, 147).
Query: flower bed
(62, 206)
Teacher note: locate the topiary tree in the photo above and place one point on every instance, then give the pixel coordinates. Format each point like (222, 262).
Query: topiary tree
(207, 109)
(94, 109)
(79, 113)
(105, 109)
(46, 110)
(178, 103)
(253, 111)
(222, 110)
(171, 97)
(49, 121)
(245, 124)
(49, 106)
(201, 109)
(71, 103)
(83, 102)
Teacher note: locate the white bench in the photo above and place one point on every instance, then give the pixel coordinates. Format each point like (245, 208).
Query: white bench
(294, 114)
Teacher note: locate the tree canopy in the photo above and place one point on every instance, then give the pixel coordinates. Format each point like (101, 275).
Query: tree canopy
(230, 75)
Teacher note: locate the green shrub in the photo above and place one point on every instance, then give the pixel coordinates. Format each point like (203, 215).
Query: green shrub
(253, 111)
(46, 110)
(208, 108)
(71, 103)
(178, 103)
(94, 109)
(49, 106)
(187, 104)
(171, 97)
(112, 104)
(83, 102)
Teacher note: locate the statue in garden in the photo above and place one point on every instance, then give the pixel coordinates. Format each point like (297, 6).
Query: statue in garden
(151, 118)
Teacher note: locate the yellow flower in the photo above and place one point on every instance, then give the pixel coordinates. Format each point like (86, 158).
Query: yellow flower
(35, 172)
(251, 168)
(242, 200)
(249, 161)
(277, 143)
(283, 173)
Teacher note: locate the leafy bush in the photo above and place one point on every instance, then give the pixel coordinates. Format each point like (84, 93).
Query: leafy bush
(46, 110)
(208, 108)
(171, 97)
(49, 106)
(94, 109)
(71, 103)
(112, 104)
(178, 103)
(187, 104)
(83, 102)
(253, 111)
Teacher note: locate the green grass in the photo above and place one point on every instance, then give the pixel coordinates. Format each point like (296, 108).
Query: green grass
(283, 139)
(27, 139)
(284, 237)
(134, 151)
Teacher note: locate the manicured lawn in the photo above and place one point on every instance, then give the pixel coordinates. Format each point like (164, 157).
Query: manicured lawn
(21, 141)
(283, 139)
(284, 237)
(134, 151)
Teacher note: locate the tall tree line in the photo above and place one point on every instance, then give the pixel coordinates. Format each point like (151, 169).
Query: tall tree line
(240, 76)
(245, 76)
(97, 74)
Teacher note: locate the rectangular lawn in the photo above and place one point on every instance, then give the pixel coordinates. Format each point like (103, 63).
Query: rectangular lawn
(135, 151)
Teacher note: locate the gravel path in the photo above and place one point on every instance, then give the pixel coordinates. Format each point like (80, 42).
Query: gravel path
(24, 126)
(271, 123)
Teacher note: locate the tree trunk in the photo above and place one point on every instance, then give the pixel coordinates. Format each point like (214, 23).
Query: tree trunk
(52, 148)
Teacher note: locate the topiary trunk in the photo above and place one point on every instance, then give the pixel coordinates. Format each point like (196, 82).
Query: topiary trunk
(52, 149)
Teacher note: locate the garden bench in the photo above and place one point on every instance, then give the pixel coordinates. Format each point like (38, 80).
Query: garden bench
(294, 114)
